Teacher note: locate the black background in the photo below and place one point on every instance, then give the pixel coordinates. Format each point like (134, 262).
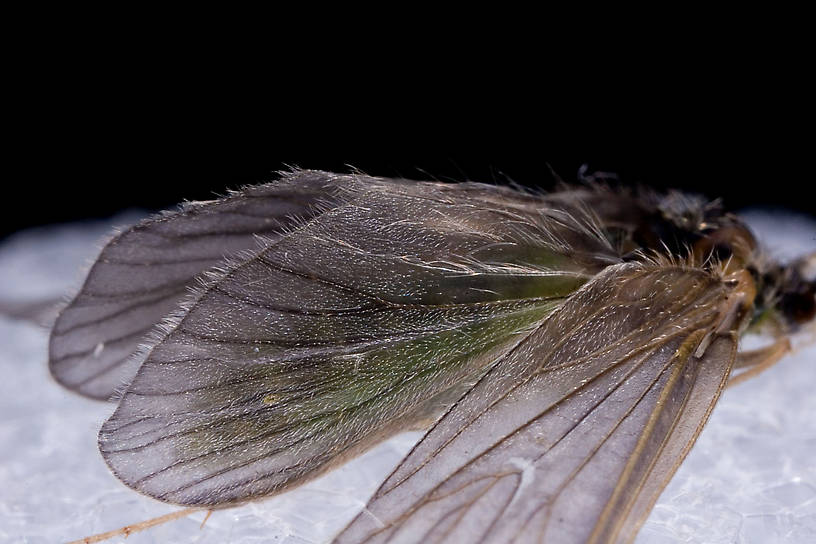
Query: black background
(113, 167)
(90, 143)
(144, 108)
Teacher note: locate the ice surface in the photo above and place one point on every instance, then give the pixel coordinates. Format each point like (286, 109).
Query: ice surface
(751, 478)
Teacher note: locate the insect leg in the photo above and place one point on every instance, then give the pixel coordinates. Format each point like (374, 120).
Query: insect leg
(128, 530)
(757, 360)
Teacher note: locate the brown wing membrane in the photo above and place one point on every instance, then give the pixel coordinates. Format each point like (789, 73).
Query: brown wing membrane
(572, 435)
(320, 344)
(143, 273)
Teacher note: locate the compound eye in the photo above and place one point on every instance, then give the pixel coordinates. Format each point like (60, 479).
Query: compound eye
(732, 243)
(711, 247)
(722, 251)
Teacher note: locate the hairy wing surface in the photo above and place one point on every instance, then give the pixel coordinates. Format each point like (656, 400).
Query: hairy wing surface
(574, 433)
(143, 273)
(359, 323)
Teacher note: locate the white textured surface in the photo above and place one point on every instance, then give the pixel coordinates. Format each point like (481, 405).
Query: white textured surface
(750, 478)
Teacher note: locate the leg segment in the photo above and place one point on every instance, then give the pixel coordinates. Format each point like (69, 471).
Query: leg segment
(751, 363)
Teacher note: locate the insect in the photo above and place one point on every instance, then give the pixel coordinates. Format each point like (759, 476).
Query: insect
(563, 350)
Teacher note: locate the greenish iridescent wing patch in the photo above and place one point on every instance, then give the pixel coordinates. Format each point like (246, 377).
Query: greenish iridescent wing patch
(355, 325)
(573, 434)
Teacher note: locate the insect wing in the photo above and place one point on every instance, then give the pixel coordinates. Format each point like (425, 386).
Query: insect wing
(574, 433)
(144, 272)
(366, 320)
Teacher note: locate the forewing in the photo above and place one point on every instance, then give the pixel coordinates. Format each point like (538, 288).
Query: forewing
(366, 320)
(574, 433)
(144, 272)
